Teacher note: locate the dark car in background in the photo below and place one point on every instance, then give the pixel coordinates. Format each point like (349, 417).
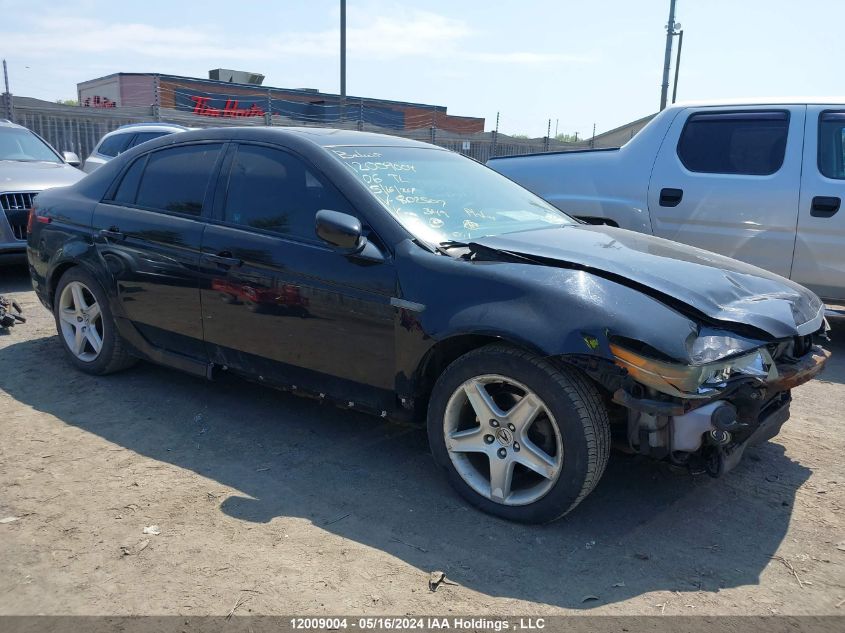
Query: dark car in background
(400, 279)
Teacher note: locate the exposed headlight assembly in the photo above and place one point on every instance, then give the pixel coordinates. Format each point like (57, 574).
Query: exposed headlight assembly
(711, 348)
(716, 360)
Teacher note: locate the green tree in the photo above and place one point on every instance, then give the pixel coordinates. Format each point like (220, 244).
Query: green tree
(567, 138)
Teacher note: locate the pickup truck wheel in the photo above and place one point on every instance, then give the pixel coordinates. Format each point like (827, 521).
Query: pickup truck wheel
(519, 437)
(86, 326)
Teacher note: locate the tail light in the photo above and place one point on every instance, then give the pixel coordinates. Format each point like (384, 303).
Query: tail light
(34, 217)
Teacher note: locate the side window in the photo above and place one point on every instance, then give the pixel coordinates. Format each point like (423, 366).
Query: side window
(751, 143)
(176, 179)
(114, 145)
(128, 187)
(272, 190)
(143, 137)
(832, 145)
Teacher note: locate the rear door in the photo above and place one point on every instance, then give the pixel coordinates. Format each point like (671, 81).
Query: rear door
(280, 303)
(148, 230)
(727, 180)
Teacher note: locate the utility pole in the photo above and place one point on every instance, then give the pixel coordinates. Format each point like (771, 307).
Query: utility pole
(342, 58)
(593, 139)
(548, 134)
(7, 96)
(496, 135)
(667, 57)
(556, 122)
(678, 64)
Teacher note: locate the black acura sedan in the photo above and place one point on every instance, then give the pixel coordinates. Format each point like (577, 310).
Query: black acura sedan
(393, 277)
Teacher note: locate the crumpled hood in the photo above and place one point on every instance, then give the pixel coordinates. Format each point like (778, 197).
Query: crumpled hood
(36, 175)
(718, 287)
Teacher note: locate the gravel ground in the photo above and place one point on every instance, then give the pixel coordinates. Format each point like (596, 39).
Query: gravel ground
(270, 504)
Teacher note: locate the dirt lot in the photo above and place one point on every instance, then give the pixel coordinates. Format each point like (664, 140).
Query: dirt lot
(280, 505)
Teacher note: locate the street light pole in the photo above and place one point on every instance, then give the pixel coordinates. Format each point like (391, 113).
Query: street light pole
(677, 64)
(7, 96)
(667, 57)
(343, 48)
(342, 59)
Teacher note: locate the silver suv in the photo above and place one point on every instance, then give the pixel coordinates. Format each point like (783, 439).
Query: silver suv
(125, 137)
(28, 165)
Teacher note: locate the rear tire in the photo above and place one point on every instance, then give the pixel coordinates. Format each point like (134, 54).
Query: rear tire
(86, 325)
(519, 437)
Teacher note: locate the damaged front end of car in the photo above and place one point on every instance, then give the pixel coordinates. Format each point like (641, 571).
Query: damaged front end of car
(732, 392)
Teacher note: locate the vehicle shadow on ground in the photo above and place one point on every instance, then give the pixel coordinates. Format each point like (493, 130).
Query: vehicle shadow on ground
(645, 527)
(14, 278)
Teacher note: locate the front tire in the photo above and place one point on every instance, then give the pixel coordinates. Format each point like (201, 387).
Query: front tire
(86, 326)
(519, 437)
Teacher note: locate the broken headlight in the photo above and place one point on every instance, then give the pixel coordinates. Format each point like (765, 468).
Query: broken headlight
(711, 348)
(696, 380)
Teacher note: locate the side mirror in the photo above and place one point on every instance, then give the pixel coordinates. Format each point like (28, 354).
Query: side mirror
(71, 159)
(340, 229)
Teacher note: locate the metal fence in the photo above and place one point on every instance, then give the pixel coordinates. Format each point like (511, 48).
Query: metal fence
(78, 129)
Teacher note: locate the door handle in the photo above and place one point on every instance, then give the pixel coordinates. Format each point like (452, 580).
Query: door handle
(112, 233)
(671, 197)
(223, 259)
(824, 206)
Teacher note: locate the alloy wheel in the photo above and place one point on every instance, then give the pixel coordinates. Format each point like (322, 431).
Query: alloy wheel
(503, 440)
(81, 321)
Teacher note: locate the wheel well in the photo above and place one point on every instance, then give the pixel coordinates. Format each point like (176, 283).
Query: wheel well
(57, 273)
(438, 358)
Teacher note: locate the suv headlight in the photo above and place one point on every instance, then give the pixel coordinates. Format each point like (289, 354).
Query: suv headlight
(701, 379)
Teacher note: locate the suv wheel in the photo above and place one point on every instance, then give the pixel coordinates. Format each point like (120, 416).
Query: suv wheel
(86, 326)
(519, 437)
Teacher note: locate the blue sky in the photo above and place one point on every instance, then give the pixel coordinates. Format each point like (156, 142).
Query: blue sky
(577, 63)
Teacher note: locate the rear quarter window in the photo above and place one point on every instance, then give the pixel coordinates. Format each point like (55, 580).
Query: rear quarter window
(751, 143)
(128, 188)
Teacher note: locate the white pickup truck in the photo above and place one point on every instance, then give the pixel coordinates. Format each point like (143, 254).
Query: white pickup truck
(760, 181)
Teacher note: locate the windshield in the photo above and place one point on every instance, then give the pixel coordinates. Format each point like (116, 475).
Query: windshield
(440, 196)
(23, 145)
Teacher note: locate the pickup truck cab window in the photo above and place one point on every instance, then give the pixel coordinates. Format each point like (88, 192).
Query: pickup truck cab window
(750, 143)
(832, 144)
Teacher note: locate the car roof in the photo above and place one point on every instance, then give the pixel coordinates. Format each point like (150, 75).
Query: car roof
(322, 137)
(148, 127)
(8, 124)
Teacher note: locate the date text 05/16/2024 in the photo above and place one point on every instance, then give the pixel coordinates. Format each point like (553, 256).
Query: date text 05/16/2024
(417, 623)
